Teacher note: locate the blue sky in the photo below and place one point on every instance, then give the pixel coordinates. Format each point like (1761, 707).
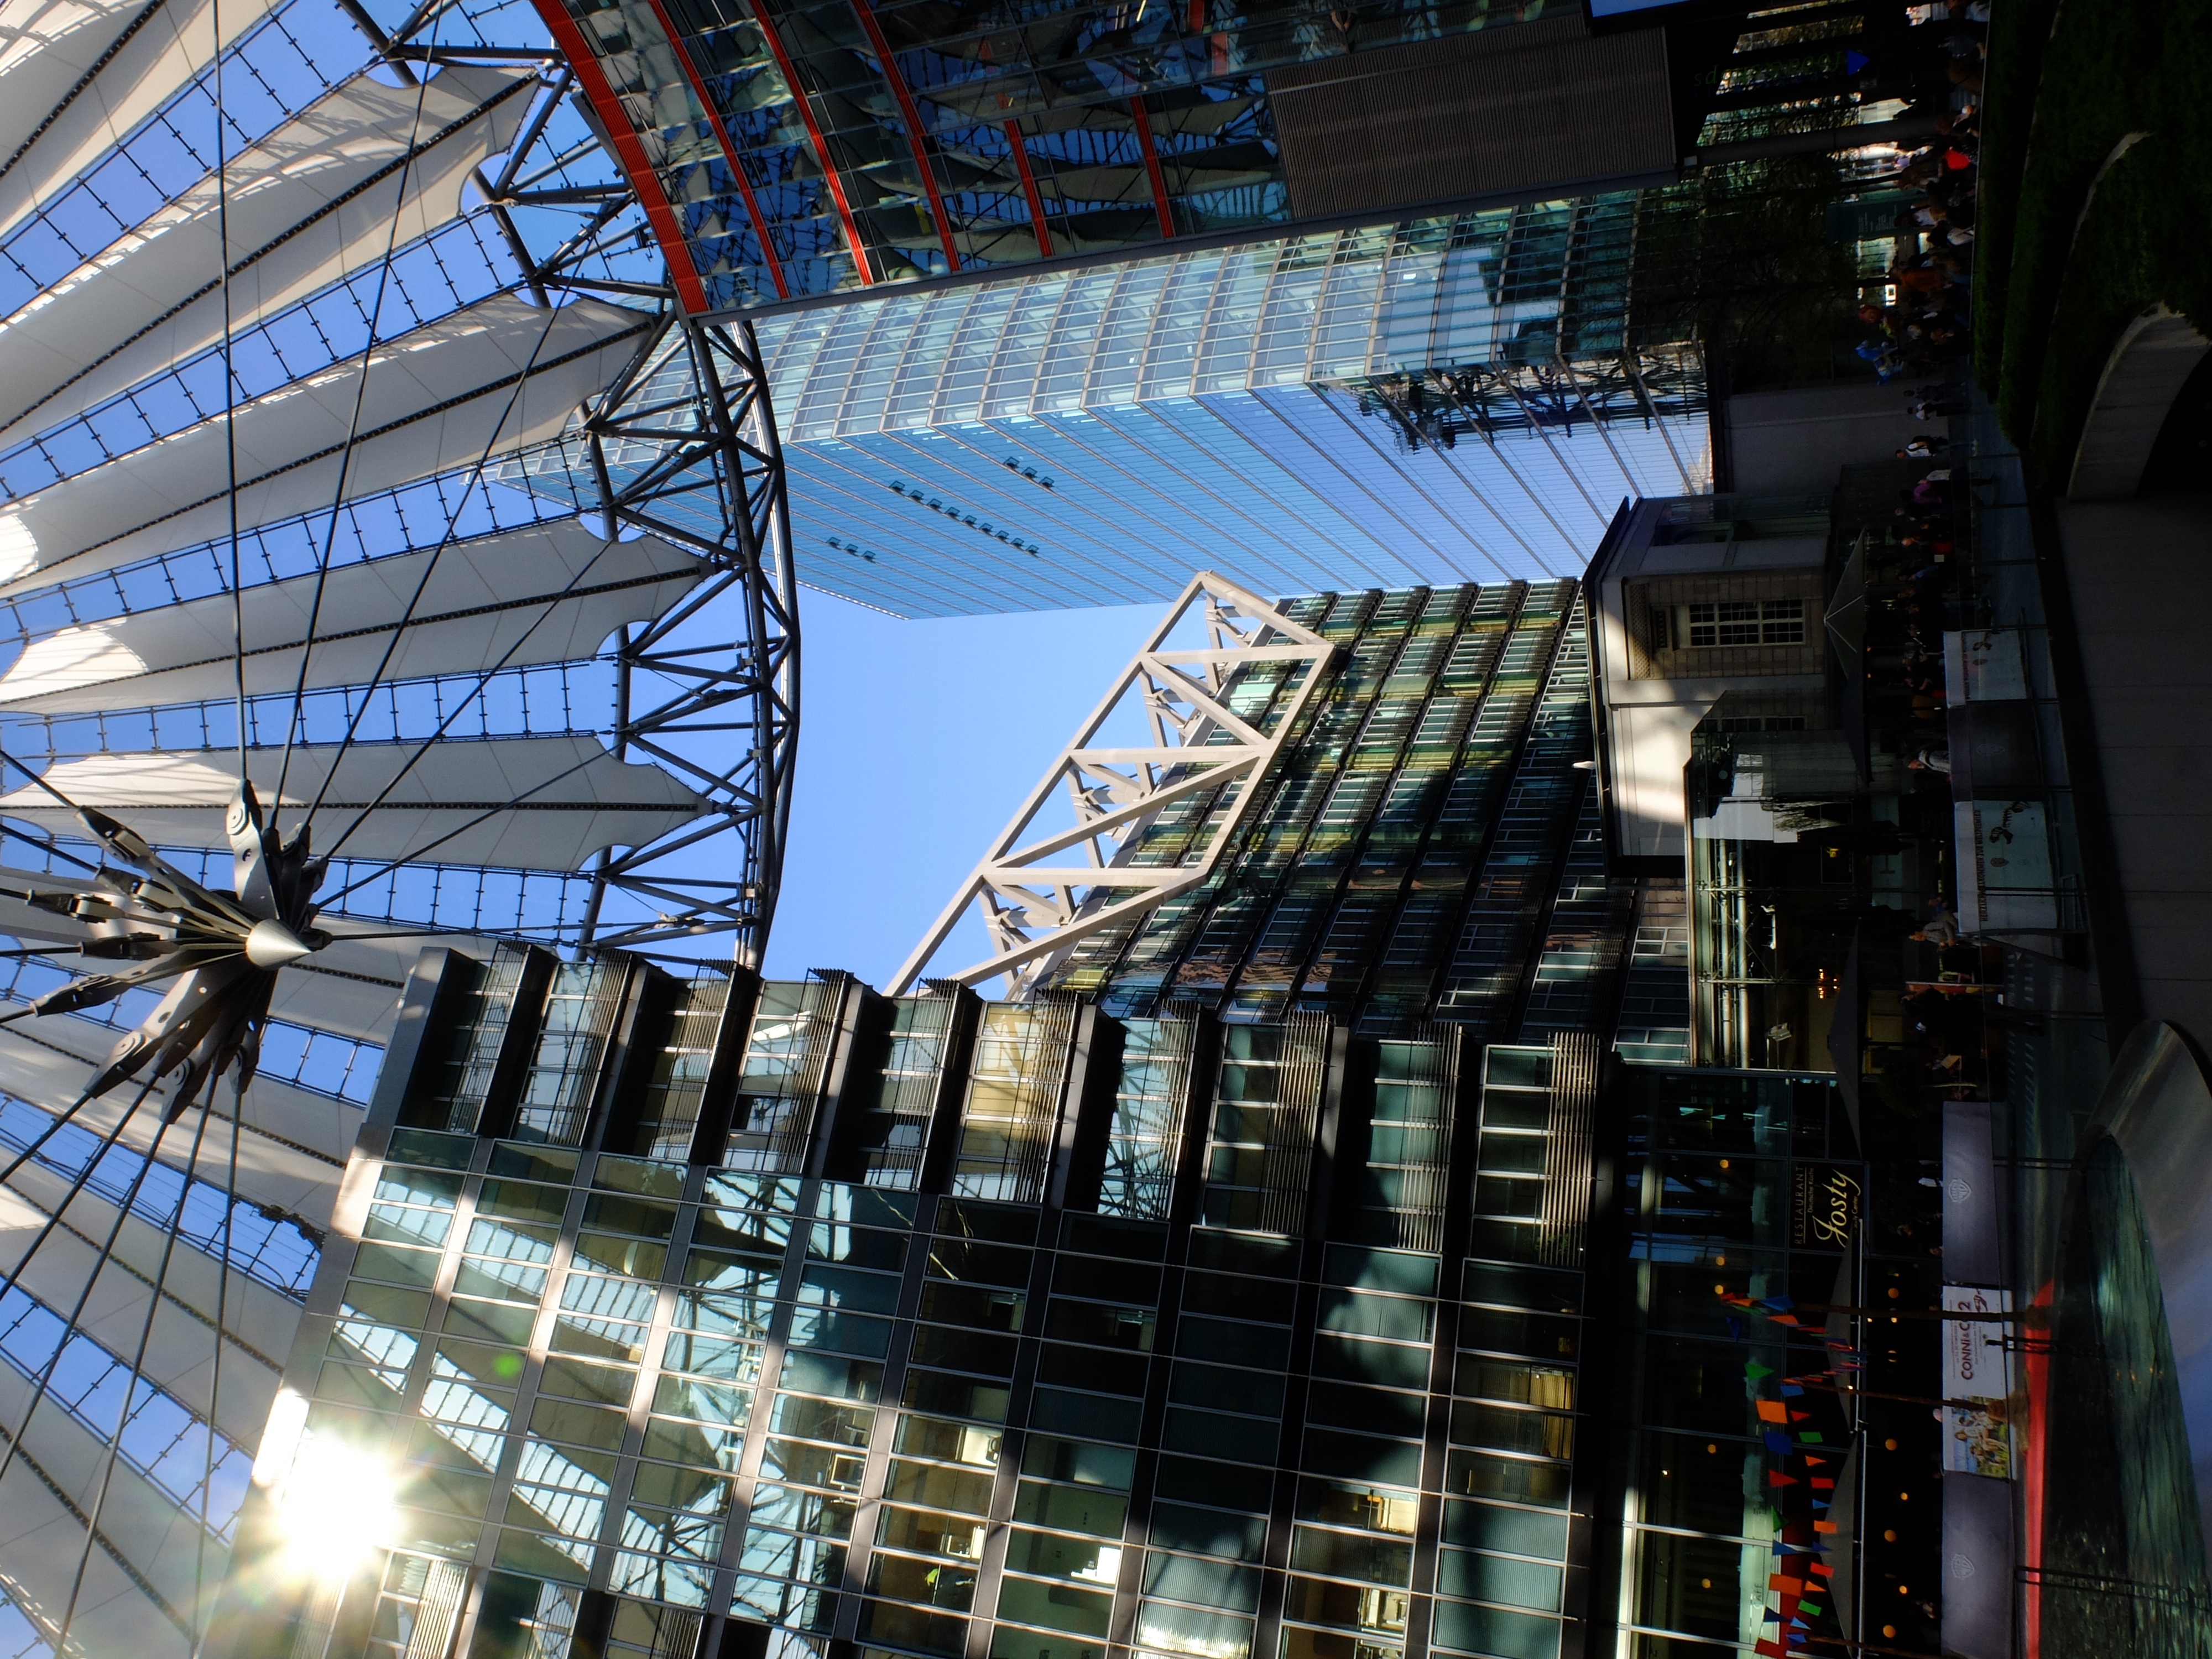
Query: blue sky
(918, 741)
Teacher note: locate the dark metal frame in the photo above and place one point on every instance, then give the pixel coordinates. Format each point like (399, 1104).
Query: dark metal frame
(713, 447)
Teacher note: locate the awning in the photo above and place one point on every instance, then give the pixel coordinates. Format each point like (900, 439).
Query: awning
(1845, 1046)
(1846, 622)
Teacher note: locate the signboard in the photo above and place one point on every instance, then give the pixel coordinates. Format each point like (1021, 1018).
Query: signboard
(1824, 1199)
(1977, 1380)
(1984, 665)
(2004, 865)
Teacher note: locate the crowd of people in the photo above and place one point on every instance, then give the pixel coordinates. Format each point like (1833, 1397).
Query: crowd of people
(1920, 333)
(1925, 325)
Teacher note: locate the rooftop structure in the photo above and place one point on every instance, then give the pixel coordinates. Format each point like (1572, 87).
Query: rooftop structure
(791, 152)
(262, 344)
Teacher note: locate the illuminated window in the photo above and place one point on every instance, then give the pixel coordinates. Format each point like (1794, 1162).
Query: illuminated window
(1744, 622)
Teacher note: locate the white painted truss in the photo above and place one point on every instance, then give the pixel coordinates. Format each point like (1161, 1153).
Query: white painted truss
(1042, 888)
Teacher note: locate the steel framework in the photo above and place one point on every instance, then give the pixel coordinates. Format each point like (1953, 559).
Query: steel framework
(1437, 407)
(683, 446)
(1034, 907)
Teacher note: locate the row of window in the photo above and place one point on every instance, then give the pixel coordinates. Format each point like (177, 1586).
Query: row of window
(940, 1469)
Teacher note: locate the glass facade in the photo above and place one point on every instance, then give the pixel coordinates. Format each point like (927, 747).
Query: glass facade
(787, 150)
(1205, 1410)
(1448, 399)
(807, 149)
(1333, 1314)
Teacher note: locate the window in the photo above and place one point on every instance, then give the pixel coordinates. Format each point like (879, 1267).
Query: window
(1743, 621)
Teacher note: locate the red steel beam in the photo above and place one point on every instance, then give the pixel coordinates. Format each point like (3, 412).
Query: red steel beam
(1030, 188)
(729, 149)
(690, 291)
(1152, 167)
(897, 83)
(830, 174)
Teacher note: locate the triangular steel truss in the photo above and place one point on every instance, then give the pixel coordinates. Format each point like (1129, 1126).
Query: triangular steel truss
(684, 446)
(1042, 889)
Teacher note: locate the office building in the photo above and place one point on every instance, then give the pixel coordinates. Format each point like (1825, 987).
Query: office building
(1458, 398)
(1092, 437)
(684, 1316)
(791, 152)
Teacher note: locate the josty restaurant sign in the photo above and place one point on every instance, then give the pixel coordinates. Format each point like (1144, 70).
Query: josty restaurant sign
(1824, 1202)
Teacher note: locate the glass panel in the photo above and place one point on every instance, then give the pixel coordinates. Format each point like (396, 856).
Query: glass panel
(1013, 1098)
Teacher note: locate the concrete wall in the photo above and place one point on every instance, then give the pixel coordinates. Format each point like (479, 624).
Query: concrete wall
(2139, 575)
(1785, 442)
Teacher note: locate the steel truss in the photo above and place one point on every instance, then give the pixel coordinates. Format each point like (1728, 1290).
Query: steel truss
(1437, 407)
(682, 445)
(1034, 906)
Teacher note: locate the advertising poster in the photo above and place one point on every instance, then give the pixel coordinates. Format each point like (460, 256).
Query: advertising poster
(1977, 1434)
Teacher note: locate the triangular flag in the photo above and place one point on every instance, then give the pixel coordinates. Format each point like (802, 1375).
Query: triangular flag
(1754, 1371)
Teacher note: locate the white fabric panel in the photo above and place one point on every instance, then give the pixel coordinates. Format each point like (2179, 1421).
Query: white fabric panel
(483, 599)
(46, 46)
(66, 350)
(352, 986)
(291, 444)
(146, 1527)
(315, 994)
(575, 798)
(47, 1062)
(44, 1541)
(181, 1346)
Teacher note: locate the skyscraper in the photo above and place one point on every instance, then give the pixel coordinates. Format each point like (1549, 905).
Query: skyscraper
(1446, 399)
(792, 151)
